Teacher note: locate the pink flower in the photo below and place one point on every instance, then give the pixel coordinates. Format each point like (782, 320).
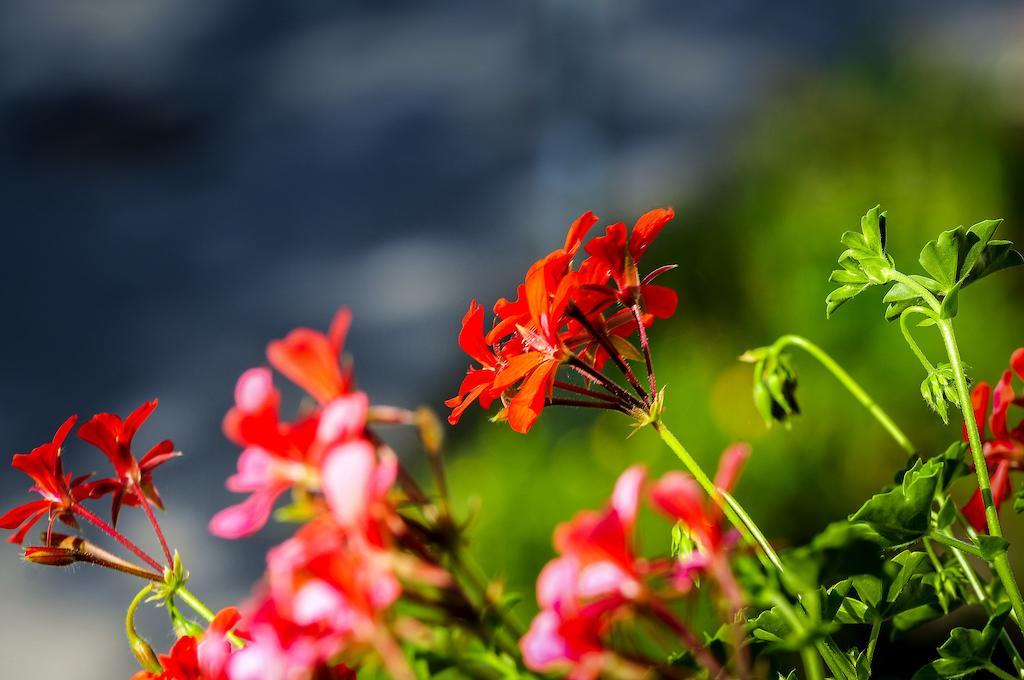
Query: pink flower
(279, 455)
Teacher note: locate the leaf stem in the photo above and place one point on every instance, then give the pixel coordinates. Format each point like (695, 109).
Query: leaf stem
(909, 336)
(852, 386)
(956, 544)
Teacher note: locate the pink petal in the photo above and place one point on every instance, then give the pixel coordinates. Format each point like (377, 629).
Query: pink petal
(606, 578)
(254, 389)
(255, 471)
(680, 497)
(347, 481)
(315, 602)
(730, 465)
(247, 517)
(543, 646)
(626, 496)
(343, 418)
(557, 582)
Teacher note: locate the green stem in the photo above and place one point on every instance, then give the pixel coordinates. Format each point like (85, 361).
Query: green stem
(144, 654)
(909, 336)
(837, 662)
(956, 544)
(1001, 562)
(200, 608)
(850, 384)
(982, 598)
(812, 664)
(999, 672)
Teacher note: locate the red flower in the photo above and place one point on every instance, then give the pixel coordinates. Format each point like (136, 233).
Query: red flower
(113, 436)
(1004, 449)
(312, 360)
(59, 491)
(563, 315)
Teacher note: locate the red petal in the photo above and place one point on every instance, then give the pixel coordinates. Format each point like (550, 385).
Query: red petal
(1017, 363)
(308, 359)
(338, 331)
(979, 402)
(659, 301)
(578, 230)
(29, 522)
(529, 400)
(15, 516)
(158, 455)
(647, 229)
(135, 420)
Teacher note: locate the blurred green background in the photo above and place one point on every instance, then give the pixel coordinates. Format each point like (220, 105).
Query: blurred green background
(755, 250)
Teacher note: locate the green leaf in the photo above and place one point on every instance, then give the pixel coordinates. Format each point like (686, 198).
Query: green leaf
(864, 262)
(966, 651)
(901, 514)
(941, 257)
(1018, 500)
(947, 513)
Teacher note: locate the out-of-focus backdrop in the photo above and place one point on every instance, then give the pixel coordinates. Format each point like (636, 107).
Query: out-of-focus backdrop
(182, 182)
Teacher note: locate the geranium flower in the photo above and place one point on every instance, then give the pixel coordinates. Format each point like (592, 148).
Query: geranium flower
(113, 436)
(567, 316)
(616, 256)
(326, 590)
(312, 360)
(279, 456)
(58, 490)
(1003, 445)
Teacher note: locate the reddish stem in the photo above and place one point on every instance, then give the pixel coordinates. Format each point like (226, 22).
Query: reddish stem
(606, 344)
(156, 525)
(703, 656)
(646, 347)
(81, 510)
(584, 403)
(576, 389)
(625, 398)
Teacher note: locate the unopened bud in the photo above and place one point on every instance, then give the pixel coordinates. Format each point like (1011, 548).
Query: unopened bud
(145, 655)
(63, 551)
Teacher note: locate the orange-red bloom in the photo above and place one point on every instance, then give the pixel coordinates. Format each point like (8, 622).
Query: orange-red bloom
(113, 436)
(59, 491)
(564, 315)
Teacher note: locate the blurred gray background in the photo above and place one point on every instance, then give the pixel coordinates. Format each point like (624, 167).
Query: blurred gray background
(182, 181)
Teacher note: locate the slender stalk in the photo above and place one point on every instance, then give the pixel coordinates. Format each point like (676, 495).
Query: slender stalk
(837, 662)
(84, 512)
(704, 658)
(606, 344)
(576, 389)
(956, 544)
(140, 648)
(1001, 562)
(909, 336)
(155, 524)
(982, 598)
(646, 346)
(998, 672)
(584, 403)
(586, 370)
(200, 608)
(812, 664)
(852, 386)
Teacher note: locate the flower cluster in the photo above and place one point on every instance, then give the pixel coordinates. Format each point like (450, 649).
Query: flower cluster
(1003, 444)
(63, 495)
(567, 316)
(326, 603)
(598, 583)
